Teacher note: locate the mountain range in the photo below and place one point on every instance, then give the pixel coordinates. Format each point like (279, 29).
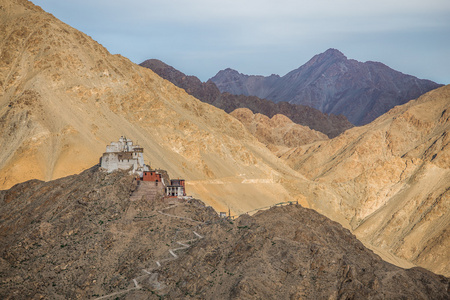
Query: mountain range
(64, 97)
(332, 84)
(329, 124)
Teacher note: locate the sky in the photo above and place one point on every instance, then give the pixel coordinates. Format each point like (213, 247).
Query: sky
(263, 37)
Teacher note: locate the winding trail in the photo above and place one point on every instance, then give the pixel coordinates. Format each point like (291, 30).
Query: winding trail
(153, 277)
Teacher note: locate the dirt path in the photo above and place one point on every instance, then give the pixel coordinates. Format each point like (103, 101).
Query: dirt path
(153, 277)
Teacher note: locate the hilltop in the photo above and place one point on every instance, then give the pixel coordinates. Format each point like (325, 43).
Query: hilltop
(83, 236)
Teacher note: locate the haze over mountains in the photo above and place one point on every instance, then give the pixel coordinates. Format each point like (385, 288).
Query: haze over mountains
(64, 98)
(332, 84)
(331, 125)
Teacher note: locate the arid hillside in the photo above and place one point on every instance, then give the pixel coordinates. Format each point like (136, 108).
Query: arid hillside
(87, 236)
(64, 97)
(278, 132)
(292, 253)
(391, 179)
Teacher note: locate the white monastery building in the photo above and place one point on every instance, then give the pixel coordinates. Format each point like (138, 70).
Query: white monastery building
(124, 155)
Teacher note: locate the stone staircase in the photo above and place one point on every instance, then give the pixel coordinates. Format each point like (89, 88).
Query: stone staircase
(147, 189)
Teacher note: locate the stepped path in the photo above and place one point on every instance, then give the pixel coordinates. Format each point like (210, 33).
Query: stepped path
(150, 189)
(147, 189)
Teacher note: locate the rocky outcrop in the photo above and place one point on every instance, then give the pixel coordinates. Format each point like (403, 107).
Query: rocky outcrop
(82, 237)
(278, 131)
(329, 124)
(391, 179)
(291, 253)
(332, 84)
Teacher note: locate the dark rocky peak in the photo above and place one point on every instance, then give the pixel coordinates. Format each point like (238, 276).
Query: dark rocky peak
(170, 73)
(323, 60)
(228, 72)
(336, 85)
(155, 63)
(228, 75)
(328, 57)
(332, 53)
(191, 84)
(232, 74)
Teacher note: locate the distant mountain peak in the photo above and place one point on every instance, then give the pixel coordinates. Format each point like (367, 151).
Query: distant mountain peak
(332, 83)
(333, 52)
(331, 56)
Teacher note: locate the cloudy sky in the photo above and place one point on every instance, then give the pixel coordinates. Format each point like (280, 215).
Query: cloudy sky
(201, 37)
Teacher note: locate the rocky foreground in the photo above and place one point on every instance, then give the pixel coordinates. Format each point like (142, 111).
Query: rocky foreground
(82, 237)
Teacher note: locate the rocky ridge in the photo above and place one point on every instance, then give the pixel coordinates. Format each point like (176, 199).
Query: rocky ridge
(332, 84)
(292, 253)
(391, 179)
(330, 124)
(82, 237)
(278, 132)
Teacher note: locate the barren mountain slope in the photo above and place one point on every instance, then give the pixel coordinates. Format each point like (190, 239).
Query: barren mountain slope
(63, 98)
(292, 253)
(84, 237)
(81, 236)
(277, 132)
(331, 125)
(391, 179)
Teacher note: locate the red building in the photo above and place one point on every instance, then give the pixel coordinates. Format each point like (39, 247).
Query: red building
(176, 188)
(151, 176)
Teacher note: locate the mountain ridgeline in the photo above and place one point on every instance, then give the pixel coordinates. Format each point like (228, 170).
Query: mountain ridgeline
(332, 84)
(392, 179)
(329, 124)
(83, 237)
